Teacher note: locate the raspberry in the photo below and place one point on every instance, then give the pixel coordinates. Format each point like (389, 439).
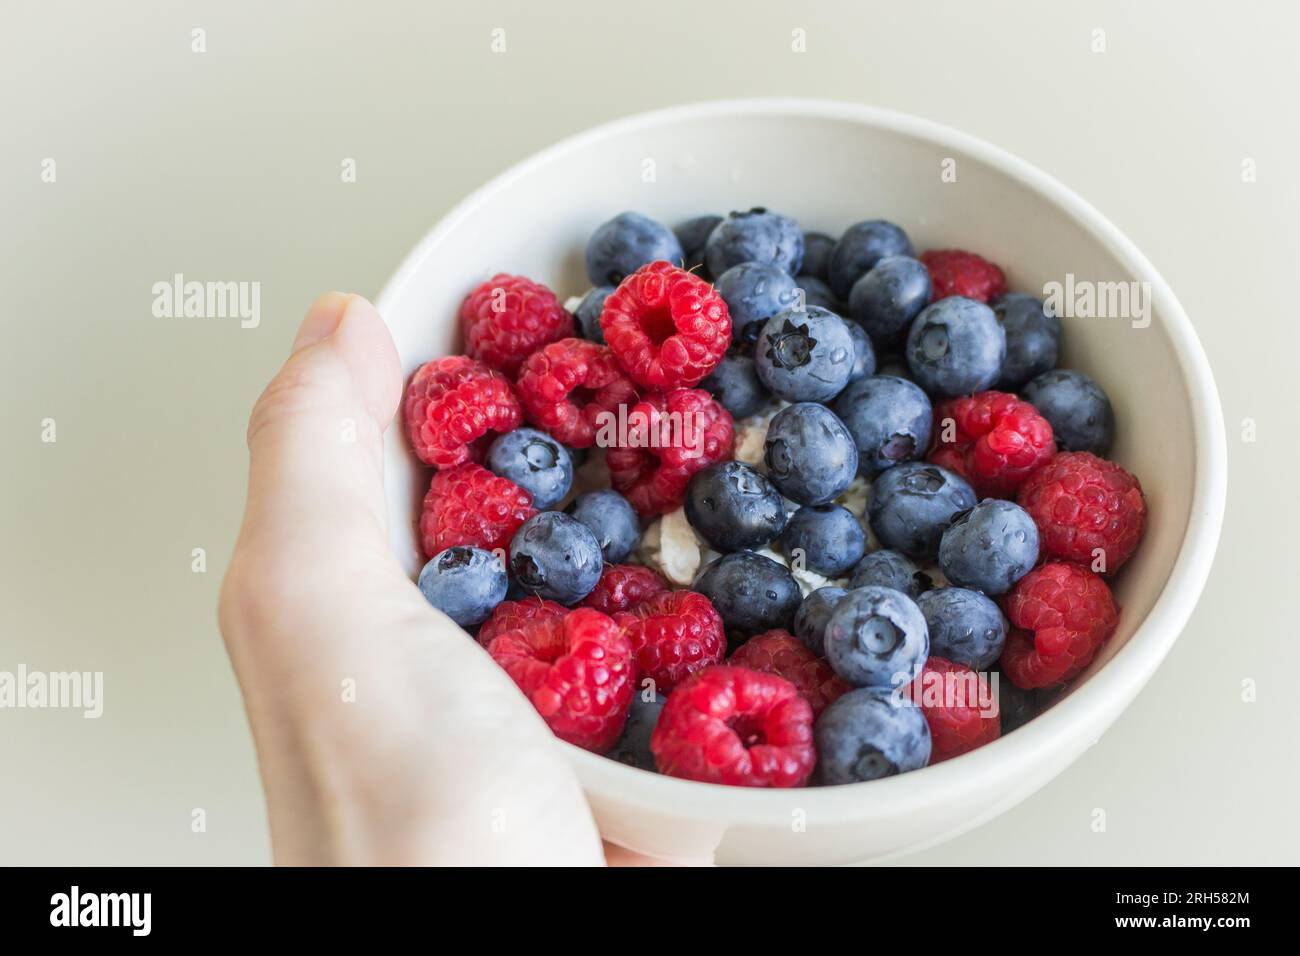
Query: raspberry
(736, 726)
(512, 615)
(674, 634)
(1086, 508)
(958, 706)
(955, 272)
(997, 441)
(451, 403)
(778, 652)
(1060, 615)
(670, 438)
(568, 385)
(508, 318)
(470, 505)
(668, 327)
(623, 586)
(578, 672)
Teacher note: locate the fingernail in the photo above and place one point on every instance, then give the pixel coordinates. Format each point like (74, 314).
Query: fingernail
(322, 319)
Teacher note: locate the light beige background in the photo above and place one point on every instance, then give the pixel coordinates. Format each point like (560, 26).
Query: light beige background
(226, 165)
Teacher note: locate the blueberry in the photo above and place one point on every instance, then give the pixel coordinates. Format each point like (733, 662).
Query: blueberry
(912, 505)
(535, 462)
(817, 292)
(817, 249)
(860, 248)
(755, 236)
(889, 418)
(990, 547)
(810, 455)
(889, 297)
(1033, 338)
(754, 292)
(693, 234)
(813, 615)
(866, 735)
(611, 519)
(753, 593)
(1076, 408)
(624, 244)
(890, 569)
(876, 637)
(734, 383)
(633, 748)
(556, 557)
(966, 627)
(464, 583)
(1016, 707)
(955, 347)
(588, 312)
(826, 538)
(733, 507)
(805, 356)
(864, 355)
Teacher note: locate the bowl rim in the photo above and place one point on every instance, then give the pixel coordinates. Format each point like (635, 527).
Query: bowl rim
(1091, 704)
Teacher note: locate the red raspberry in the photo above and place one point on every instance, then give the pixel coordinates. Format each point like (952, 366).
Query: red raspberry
(1060, 615)
(955, 272)
(997, 441)
(470, 505)
(959, 707)
(578, 672)
(508, 318)
(1086, 508)
(567, 386)
(780, 653)
(736, 726)
(668, 327)
(623, 586)
(512, 615)
(670, 438)
(451, 403)
(674, 634)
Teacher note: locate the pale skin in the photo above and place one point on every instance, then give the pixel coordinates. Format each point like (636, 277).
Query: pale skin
(384, 734)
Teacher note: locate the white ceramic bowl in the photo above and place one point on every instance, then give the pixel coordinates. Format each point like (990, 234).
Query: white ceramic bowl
(828, 165)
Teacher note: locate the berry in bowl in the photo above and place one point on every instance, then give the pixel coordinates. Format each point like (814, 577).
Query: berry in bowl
(805, 526)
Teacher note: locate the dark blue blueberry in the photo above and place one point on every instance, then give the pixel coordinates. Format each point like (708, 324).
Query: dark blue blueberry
(588, 312)
(754, 292)
(556, 557)
(912, 505)
(817, 292)
(966, 627)
(624, 244)
(864, 355)
(990, 547)
(805, 356)
(813, 615)
(752, 593)
(755, 236)
(817, 249)
(860, 248)
(611, 519)
(889, 297)
(889, 418)
(1076, 408)
(633, 748)
(890, 569)
(876, 637)
(1016, 707)
(733, 507)
(535, 462)
(1033, 338)
(867, 734)
(693, 234)
(827, 539)
(956, 347)
(464, 583)
(810, 455)
(734, 383)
